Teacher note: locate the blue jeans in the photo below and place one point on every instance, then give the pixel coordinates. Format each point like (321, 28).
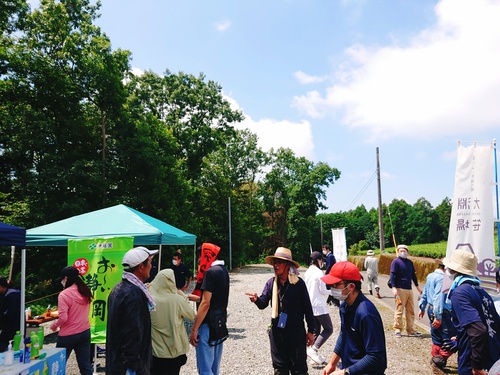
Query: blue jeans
(446, 331)
(207, 357)
(80, 343)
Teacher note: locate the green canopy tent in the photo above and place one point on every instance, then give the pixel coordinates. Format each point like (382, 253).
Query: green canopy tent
(113, 221)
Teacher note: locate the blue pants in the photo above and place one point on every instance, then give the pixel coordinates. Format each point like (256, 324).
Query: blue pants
(446, 331)
(80, 343)
(207, 357)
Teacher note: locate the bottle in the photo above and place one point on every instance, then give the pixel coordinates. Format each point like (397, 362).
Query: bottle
(27, 350)
(9, 355)
(17, 341)
(398, 300)
(34, 346)
(41, 336)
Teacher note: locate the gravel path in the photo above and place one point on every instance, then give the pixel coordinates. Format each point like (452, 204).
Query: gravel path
(247, 349)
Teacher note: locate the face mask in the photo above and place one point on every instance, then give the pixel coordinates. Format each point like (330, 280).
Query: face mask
(498, 290)
(403, 254)
(337, 294)
(449, 273)
(63, 283)
(174, 262)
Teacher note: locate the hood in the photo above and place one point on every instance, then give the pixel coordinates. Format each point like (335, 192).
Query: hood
(164, 282)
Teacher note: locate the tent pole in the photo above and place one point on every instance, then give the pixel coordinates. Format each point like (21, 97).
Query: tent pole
(12, 254)
(23, 291)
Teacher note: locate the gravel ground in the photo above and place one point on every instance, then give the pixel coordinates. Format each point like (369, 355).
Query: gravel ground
(247, 349)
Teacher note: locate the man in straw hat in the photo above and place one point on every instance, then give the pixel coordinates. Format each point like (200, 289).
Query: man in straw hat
(474, 315)
(439, 313)
(361, 342)
(290, 304)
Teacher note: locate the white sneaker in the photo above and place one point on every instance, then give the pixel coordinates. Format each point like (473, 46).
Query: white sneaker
(313, 354)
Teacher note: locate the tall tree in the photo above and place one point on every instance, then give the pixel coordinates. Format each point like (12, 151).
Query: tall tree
(292, 193)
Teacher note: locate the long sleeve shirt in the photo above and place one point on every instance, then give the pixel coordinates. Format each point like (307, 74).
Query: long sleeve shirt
(295, 303)
(402, 273)
(433, 294)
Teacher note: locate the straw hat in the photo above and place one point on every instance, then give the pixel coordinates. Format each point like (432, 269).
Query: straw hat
(370, 252)
(281, 253)
(463, 262)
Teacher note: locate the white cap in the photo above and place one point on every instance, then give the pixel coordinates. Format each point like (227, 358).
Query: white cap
(136, 256)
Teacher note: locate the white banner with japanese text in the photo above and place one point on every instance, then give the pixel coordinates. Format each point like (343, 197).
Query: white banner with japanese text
(339, 244)
(472, 221)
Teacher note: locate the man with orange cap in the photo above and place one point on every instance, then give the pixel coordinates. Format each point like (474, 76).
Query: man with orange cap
(361, 342)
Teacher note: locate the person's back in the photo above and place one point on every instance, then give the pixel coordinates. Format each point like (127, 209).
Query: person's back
(128, 303)
(371, 265)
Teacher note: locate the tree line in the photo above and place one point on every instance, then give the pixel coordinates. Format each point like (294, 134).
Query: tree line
(80, 132)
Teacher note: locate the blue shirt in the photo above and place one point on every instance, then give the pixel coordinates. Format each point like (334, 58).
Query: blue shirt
(402, 273)
(361, 342)
(433, 294)
(330, 261)
(471, 304)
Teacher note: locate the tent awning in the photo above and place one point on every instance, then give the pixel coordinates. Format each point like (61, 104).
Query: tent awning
(113, 221)
(12, 236)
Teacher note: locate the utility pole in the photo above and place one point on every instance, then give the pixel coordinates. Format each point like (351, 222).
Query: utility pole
(380, 215)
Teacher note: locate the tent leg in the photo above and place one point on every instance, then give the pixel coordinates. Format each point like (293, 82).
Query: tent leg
(23, 292)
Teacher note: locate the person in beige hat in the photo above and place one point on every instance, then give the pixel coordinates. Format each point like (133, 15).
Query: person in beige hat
(371, 266)
(290, 304)
(474, 316)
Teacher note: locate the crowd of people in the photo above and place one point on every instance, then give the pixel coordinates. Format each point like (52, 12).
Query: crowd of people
(146, 331)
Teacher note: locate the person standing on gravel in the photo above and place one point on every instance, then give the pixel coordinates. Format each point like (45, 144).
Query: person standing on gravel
(402, 274)
(473, 314)
(361, 342)
(318, 293)
(290, 304)
(439, 312)
(209, 329)
(128, 336)
(371, 266)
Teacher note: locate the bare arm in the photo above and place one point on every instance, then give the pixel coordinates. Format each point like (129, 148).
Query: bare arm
(200, 316)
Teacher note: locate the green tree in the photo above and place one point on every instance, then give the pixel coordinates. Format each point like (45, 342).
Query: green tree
(292, 193)
(443, 211)
(422, 223)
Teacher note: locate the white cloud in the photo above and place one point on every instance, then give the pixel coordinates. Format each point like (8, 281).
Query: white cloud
(445, 82)
(223, 25)
(306, 79)
(296, 136)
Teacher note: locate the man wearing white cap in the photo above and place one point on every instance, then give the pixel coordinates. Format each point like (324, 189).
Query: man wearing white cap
(128, 336)
(402, 274)
(473, 314)
(371, 266)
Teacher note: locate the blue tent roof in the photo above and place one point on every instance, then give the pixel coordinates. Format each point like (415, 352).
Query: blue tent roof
(11, 235)
(113, 221)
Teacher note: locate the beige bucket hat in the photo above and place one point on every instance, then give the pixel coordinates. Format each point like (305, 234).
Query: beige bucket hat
(463, 262)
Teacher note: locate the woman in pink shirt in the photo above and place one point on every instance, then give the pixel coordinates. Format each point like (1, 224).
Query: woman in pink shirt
(74, 327)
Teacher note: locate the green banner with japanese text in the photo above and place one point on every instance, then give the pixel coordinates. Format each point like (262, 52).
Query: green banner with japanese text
(99, 262)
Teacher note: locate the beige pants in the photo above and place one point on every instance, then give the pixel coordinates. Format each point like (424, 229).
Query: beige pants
(406, 296)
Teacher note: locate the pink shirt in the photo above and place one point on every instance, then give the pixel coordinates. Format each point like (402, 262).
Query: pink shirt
(73, 312)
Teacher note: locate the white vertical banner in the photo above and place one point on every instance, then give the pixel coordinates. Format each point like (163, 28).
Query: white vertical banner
(471, 221)
(339, 244)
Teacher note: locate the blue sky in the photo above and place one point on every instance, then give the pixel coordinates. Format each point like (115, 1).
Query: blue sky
(335, 79)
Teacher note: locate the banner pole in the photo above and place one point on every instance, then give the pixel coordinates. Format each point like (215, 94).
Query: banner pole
(496, 192)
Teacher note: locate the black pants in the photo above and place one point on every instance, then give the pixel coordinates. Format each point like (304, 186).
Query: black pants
(288, 350)
(168, 366)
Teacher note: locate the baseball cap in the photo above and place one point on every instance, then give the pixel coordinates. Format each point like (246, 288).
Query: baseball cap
(342, 271)
(67, 272)
(136, 256)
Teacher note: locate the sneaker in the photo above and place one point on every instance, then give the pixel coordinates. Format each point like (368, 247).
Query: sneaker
(371, 293)
(378, 295)
(313, 354)
(398, 335)
(415, 334)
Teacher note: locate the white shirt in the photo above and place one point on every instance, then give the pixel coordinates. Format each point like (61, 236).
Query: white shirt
(371, 265)
(316, 288)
